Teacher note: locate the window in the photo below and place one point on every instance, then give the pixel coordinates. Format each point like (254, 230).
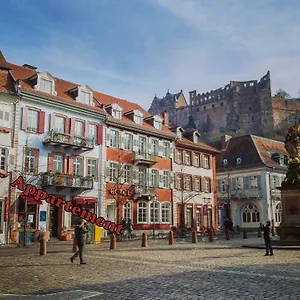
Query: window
(250, 213)
(78, 128)
(117, 114)
(127, 173)
(179, 156)
(197, 184)
(93, 131)
(154, 144)
(165, 213)
(114, 139)
(5, 113)
(57, 163)
(127, 211)
(206, 161)
(166, 149)
(91, 167)
(142, 177)
(77, 166)
(142, 212)
(142, 145)
(189, 217)
(59, 124)
(165, 179)
(3, 159)
(278, 211)
(138, 119)
(85, 97)
(32, 120)
(188, 182)
(187, 158)
(128, 138)
(196, 160)
(112, 172)
(154, 178)
(207, 185)
(158, 125)
(31, 161)
(154, 208)
(46, 86)
(179, 181)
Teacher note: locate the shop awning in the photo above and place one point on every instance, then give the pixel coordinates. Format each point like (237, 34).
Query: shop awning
(31, 200)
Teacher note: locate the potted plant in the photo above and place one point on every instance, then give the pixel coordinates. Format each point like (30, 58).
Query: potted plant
(64, 235)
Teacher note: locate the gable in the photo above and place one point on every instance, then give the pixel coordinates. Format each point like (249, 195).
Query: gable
(181, 102)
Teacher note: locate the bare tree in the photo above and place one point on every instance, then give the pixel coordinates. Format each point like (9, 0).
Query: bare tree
(280, 93)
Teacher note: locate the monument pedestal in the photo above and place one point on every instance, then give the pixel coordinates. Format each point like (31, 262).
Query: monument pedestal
(290, 225)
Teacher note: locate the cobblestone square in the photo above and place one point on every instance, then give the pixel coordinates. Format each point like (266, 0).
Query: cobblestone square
(219, 270)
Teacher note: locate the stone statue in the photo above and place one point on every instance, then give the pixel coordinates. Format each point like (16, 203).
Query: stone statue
(292, 146)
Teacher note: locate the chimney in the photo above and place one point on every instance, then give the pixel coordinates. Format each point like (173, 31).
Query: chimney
(224, 139)
(165, 116)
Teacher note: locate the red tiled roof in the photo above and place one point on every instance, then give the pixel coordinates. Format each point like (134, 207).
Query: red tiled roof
(267, 147)
(3, 63)
(185, 143)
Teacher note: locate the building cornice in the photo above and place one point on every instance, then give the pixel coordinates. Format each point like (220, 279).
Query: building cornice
(58, 104)
(139, 130)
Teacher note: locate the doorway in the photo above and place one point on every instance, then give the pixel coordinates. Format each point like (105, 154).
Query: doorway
(53, 224)
(111, 213)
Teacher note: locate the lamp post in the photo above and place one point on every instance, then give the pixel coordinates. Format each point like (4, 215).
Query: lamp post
(154, 199)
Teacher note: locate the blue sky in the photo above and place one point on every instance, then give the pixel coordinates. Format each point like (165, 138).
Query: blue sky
(135, 49)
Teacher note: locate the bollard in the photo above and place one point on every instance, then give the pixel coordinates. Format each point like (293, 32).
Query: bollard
(144, 240)
(194, 237)
(113, 242)
(259, 232)
(227, 235)
(171, 237)
(43, 242)
(211, 235)
(245, 234)
(75, 247)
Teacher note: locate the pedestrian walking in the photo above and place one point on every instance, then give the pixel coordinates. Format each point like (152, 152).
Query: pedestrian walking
(80, 231)
(268, 238)
(129, 228)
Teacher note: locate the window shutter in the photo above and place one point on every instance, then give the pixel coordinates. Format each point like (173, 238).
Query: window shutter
(72, 126)
(107, 170)
(176, 155)
(99, 140)
(201, 160)
(24, 118)
(41, 124)
(193, 159)
(37, 156)
(210, 187)
(171, 180)
(202, 184)
(122, 139)
(135, 146)
(149, 177)
(171, 152)
(107, 136)
(67, 125)
(246, 182)
(135, 177)
(70, 165)
(160, 148)
(85, 129)
(259, 181)
(151, 148)
(52, 121)
(50, 162)
(160, 182)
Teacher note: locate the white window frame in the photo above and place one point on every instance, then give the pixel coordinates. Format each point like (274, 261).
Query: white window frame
(78, 130)
(114, 138)
(92, 131)
(85, 97)
(206, 161)
(127, 174)
(5, 115)
(196, 160)
(128, 141)
(165, 213)
(166, 149)
(142, 207)
(57, 161)
(44, 85)
(154, 177)
(127, 211)
(187, 157)
(3, 158)
(166, 177)
(156, 205)
(112, 176)
(206, 185)
(77, 166)
(154, 147)
(158, 125)
(117, 114)
(59, 124)
(30, 161)
(186, 187)
(197, 186)
(179, 156)
(91, 166)
(249, 213)
(34, 124)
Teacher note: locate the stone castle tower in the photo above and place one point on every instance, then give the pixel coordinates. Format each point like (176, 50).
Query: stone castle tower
(239, 107)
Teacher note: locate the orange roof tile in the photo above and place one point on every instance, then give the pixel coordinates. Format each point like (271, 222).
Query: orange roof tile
(199, 146)
(3, 63)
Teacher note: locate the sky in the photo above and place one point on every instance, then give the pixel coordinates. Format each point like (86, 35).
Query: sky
(134, 49)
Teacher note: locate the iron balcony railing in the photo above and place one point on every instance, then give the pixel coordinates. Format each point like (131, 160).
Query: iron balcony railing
(143, 158)
(70, 140)
(242, 193)
(71, 181)
(144, 190)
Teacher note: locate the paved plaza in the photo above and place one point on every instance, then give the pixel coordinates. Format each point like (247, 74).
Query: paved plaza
(219, 270)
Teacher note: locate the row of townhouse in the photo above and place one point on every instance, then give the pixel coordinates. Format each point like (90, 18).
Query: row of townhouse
(106, 155)
(250, 169)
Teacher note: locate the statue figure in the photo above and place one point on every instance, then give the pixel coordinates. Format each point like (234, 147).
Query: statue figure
(292, 146)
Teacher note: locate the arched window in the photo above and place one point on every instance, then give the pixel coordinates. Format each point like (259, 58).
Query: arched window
(127, 211)
(142, 212)
(278, 211)
(165, 213)
(250, 213)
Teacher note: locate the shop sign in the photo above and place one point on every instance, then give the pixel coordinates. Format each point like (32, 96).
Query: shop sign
(118, 192)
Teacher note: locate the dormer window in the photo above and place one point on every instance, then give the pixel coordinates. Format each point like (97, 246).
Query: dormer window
(115, 110)
(85, 97)
(196, 136)
(138, 117)
(44, 82)
(157, 123)
(180, 133)
(82, 94)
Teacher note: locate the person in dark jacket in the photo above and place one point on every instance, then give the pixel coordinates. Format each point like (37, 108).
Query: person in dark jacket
(267, 238)
(80, 231)
(129, 228)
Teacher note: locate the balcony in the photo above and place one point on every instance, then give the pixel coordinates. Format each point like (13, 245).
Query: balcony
(143, 158)
(240, 194)
(66, 140)
(67, 181)
(143, 191)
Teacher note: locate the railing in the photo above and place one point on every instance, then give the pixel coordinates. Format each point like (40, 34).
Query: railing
(71, 181)
(143, 157)
(67, 139)
(144, 190)
(242, 193)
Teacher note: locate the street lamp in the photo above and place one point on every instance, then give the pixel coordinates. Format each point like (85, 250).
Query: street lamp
(154, 199)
